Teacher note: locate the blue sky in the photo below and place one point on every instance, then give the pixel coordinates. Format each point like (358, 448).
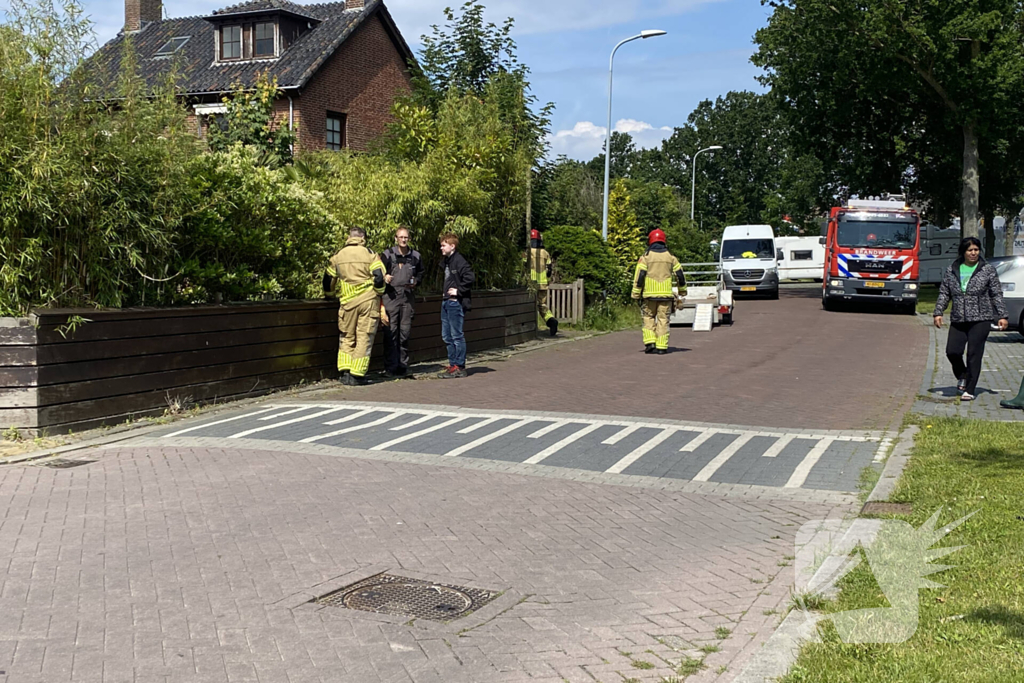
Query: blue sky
(566, 43)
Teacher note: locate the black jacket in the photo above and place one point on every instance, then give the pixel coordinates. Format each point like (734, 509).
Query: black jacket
(458, 275)
(406, 271)
(983, 299)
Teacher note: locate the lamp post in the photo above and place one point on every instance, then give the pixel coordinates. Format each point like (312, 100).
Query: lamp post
(608, 134)
(693, 185)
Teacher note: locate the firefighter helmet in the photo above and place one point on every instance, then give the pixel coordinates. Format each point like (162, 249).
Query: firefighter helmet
(656, 236)
(535, 234)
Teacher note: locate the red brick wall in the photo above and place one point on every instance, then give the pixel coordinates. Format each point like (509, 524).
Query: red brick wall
(360, 80)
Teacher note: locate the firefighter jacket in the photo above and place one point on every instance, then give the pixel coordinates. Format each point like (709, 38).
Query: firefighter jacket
(356, 273)
(654, 273)
(539, 262)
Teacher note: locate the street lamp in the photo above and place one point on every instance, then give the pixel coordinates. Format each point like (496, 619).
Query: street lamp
(693, 185)
(608, 134)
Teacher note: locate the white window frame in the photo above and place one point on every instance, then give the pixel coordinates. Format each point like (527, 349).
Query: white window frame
(220, 43)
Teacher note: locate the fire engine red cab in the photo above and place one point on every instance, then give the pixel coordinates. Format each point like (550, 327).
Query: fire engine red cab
(871, 254)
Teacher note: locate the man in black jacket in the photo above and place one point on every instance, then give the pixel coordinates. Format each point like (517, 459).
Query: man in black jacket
(458, 282)
(404, 271)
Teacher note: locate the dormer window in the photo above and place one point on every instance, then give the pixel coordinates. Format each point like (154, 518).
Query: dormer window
(265, 41)
(231, 42)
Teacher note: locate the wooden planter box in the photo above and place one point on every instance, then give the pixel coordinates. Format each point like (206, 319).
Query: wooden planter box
(138, 361)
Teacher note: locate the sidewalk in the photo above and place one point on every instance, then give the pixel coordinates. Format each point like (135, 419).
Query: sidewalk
(1000, 380)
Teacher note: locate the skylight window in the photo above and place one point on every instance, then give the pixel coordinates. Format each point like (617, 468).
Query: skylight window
(172, 46)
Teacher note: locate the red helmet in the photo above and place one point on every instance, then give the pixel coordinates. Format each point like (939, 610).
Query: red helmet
(535, 234)
(656, 236)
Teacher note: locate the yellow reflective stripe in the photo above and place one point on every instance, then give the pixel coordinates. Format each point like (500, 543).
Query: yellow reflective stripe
(541, 277)
(548, 316)
(350, 292)
(360, 366)
(649, 337)
(344, 361)
(662, 342)
(676, 268)
(654, 289)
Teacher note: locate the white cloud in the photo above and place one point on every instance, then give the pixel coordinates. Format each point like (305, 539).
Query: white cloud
(585, 140)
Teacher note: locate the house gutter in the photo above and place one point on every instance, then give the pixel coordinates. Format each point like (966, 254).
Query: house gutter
(291, 120)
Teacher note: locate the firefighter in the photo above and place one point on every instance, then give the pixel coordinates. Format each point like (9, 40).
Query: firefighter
(359, 274)
(539, 262)
(652, 284)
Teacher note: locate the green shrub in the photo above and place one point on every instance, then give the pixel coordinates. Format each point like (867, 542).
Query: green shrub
(581, 253)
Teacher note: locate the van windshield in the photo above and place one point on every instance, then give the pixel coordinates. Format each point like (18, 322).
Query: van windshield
(748, 248)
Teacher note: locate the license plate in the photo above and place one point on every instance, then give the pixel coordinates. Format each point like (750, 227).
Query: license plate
(748, 289)
(874, 284)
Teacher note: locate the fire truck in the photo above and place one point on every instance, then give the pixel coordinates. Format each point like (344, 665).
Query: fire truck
(871, 253)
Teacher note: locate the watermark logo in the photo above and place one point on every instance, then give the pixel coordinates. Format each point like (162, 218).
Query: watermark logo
(899, 557)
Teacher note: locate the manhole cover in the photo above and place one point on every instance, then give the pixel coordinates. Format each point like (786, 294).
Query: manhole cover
(65, 463)
(405, 597)
(886, 509)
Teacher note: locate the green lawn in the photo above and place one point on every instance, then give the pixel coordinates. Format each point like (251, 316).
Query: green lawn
(973, 629)
(926, 298)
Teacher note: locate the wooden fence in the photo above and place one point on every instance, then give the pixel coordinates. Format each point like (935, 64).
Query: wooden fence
(566, 301)
(133, 362)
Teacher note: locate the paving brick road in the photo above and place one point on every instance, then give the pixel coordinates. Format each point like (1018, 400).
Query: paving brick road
(1001, 375)
(784, 363)
(618, 546)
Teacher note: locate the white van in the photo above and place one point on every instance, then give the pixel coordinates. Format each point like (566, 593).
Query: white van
(749, 259)
(800, 258)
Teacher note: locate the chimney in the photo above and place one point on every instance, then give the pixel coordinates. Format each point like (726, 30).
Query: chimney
(355, 4)
(138, 13)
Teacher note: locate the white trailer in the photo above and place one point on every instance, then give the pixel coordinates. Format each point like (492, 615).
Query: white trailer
(802, 258)
(707, 301)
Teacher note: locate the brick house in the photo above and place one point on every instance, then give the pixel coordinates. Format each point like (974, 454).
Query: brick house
(339, 65)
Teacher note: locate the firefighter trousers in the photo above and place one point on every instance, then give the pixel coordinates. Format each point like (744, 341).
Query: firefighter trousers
(357, 325)
(655, 313)
(542, 305)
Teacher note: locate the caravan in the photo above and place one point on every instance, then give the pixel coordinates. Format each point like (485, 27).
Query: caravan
(800, 258)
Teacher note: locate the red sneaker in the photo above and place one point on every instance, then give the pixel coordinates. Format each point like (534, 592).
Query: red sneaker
(444, 374)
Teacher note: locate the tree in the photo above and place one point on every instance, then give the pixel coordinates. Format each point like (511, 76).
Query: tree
(250, 121)
(891, 80)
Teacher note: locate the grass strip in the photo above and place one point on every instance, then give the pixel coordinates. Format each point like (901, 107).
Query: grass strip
(973, 628)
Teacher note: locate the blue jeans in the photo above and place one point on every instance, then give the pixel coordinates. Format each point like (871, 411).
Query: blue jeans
(452, 317)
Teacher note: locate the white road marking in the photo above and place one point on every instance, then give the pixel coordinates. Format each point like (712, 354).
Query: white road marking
(708, 470)
(695, 442)
(493, 435)
(555, 447)
(472, 428)
(417, 421)
(779, 446)
(547, 430)
(348, 418)
(275, 425)
(620, 435)
(409, 437)
(287, 412)
(799, 476)
(220, 422)
(640, 451)
(883, 448)
(380, 421)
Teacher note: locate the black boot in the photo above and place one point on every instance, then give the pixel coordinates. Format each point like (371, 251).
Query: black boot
(346, 378)
(553, 326)
(661, 352)
(357, 381)
(1017, 401)
(649, 348)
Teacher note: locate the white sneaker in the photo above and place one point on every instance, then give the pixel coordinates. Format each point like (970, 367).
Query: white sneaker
(966, 397)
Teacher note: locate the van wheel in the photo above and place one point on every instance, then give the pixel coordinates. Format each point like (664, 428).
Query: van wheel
(775, 293)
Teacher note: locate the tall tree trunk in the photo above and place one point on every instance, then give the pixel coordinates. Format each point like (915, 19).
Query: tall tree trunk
(969, 214)
(989, 240)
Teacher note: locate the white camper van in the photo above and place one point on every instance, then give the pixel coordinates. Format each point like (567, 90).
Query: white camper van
(749, 259)
(800, 258)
